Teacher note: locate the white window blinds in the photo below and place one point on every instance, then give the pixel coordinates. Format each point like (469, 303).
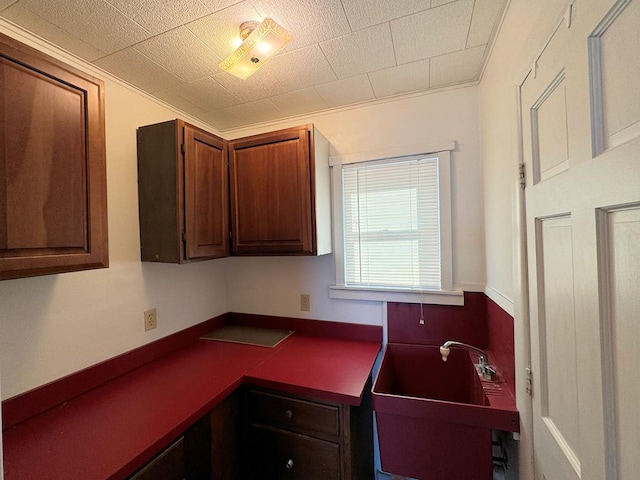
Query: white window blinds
(392, 223)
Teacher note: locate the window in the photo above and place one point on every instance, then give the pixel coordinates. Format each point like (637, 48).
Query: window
(391, 223)
(393, 229)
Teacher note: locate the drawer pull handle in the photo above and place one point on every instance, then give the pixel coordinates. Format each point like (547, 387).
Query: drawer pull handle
(289, 464)
(289, 414)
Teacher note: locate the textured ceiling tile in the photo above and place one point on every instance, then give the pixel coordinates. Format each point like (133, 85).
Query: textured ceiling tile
(363, 14)
(6, 3)
(433, 32)
(95, 22)
(170, 51)
(457, 67)
(437, 3)
(221, 30)
(406, 78)
(207, 94)
(486, 14)
(157, 16)
(309, 21)
(299, 102)
(172, 98)
(135, 68)
(38, 25)
(240, 90)
(223, 119)
(260, 111)
(346, 92)
(283, 73)
(360, 52)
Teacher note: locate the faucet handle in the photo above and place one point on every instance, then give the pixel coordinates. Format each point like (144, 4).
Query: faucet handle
(444, 351)
(488, 372)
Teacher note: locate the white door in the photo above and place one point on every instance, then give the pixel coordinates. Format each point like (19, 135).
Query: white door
(581, 148)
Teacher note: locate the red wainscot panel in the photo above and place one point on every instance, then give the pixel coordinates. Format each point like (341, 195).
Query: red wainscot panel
(466, 323)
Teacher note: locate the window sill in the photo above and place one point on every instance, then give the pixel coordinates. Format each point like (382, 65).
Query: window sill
(379, 294)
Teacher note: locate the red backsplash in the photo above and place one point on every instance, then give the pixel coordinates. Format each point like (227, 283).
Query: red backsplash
(480, 322)
(466, 323)
(501, 342)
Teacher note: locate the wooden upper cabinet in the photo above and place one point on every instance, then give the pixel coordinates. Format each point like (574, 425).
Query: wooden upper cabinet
(53, 204)
(280, 198)
(183, 193)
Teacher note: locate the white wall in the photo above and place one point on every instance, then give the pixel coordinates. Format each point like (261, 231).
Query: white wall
(54, 325)
(273, 285)
(520, 37)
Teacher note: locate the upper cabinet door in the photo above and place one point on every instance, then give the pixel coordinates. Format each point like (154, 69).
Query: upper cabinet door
(53, 206)
(206, 195)
(271, 183)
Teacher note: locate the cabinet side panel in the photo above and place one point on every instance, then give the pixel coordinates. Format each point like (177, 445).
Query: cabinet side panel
(320, 149)
(158, 160)
(360, 444)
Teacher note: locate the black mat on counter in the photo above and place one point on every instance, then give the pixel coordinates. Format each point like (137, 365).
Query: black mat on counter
(263, 337)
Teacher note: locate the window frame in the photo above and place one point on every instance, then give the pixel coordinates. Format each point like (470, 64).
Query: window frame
(446, 295)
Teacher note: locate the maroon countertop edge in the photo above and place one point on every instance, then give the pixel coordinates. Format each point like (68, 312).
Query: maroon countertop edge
(33, 402)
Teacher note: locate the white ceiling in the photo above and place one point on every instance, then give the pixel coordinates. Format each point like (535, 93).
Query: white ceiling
(344, 52)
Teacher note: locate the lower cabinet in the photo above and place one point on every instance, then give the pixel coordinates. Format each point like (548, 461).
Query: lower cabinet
(293, 438)
(169, 465)
(257, 434)
(188, 458)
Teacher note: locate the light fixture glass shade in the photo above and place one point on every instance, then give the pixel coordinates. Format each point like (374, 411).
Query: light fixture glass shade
(265, 41)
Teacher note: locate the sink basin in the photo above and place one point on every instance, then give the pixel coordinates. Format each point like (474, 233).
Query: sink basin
(435, 418)
(418, 371)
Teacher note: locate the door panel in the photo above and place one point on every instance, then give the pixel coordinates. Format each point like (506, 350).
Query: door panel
(206, 195)
(549, 131)
(615, 53)
(556, 323)
(582, 196)
(621, 330)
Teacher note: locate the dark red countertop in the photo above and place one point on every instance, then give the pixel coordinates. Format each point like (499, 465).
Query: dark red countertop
(112, 430)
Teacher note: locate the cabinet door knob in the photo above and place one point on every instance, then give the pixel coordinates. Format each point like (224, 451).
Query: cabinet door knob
(289, 414)
(289, 464)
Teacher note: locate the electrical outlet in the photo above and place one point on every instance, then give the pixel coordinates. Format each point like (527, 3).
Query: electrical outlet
(150, 320)
(305, 302)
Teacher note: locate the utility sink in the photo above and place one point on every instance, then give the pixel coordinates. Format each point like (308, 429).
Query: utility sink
(435, 418)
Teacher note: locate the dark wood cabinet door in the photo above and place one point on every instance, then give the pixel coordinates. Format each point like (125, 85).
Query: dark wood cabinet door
(226, 440)
(206, 195)
(169, 465)
(53, 211)
(271, 193)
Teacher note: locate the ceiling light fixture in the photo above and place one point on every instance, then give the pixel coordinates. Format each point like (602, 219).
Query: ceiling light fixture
(260, 41)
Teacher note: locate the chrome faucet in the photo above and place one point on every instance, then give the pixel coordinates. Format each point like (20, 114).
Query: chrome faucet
(486, 370)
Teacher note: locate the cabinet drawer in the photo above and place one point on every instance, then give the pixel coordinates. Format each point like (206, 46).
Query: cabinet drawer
(278, 455)
(293, 414)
